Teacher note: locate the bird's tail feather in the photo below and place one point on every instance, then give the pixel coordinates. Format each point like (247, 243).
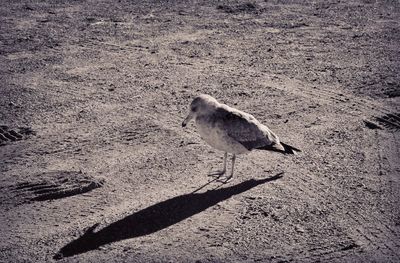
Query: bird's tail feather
(281, 148)
(290, 149)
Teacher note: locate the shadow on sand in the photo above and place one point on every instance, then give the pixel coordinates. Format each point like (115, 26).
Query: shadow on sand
(156, 217)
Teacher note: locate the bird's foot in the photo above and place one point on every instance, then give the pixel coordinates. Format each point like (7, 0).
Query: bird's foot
(216, 174)
(225, 179)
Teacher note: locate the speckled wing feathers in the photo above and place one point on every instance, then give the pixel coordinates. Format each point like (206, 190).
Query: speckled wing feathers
(243, 128)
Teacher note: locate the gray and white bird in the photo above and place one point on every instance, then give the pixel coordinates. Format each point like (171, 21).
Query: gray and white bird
(232, 131)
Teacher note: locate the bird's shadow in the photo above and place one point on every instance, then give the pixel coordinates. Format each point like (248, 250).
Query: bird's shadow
(156, 217)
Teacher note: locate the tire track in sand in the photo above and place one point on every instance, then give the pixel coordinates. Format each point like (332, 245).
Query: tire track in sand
(335, 97)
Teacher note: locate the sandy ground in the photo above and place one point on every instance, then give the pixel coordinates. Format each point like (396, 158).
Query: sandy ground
(95, 166)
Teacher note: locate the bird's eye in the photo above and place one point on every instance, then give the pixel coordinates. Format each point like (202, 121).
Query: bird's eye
(194, 109)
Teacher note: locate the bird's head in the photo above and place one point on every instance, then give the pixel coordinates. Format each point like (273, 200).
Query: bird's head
(201, 105)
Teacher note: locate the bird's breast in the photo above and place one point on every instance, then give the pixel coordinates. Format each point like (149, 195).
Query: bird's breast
(208, 130)
(217, 137)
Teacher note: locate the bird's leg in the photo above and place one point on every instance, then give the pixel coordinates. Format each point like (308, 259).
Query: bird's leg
(227, 179)
(220, 172)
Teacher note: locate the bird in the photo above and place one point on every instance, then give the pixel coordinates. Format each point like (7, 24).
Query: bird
(232, 131)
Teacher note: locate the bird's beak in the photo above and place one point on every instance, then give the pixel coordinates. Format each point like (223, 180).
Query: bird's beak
(188, 118)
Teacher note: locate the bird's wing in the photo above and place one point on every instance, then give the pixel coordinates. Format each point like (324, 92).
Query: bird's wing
(244, 128)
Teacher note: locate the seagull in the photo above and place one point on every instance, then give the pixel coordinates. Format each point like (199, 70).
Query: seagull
(232, 131)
